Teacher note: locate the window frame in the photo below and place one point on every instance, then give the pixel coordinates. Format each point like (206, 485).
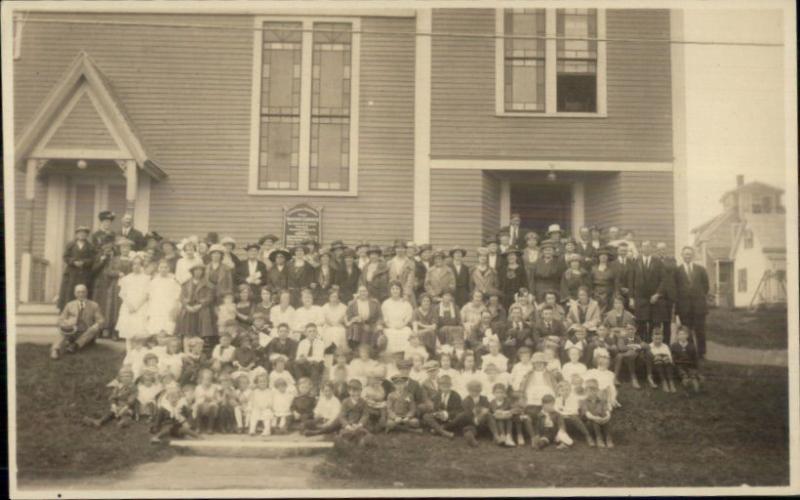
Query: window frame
(741, 279)
(304, 152)
(551, 70)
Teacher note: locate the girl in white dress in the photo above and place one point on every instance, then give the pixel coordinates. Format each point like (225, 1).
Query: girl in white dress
(333, 332)
(397, 314)
(164, 301)
(132, 320)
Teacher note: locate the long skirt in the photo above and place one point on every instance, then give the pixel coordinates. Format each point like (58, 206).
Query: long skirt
(336, 334)
(397, 339)
(106, 294)
(362, 333)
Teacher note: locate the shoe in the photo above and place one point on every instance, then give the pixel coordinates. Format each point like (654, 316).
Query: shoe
(600, 443)
(448, 434)
(510, 442)
(590, 442)
(652, 382)
(470, 437)
(71, 348)
(665, 387)
(635, 383)
(520, 441)
(155, 440)
(609, 443)
(54, 354)
(542, 442)
(616, 382)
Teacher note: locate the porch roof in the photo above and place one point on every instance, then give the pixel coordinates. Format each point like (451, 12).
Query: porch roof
(83, 75)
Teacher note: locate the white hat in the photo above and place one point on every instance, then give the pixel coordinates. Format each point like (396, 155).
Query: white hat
(553, 228)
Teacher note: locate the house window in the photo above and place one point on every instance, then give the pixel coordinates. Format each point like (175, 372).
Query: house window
(748, 238)
(766, 204)
(307, 107)
(756, 208)
(741, 285)
(550, 62)
(576, 60)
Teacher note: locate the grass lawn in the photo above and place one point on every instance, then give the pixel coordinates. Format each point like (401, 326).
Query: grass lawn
(52, 397)
(763, 329)
(735, 432)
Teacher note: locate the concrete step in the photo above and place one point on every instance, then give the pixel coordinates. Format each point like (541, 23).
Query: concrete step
(244, 446)
(37, 308)
(36, 319)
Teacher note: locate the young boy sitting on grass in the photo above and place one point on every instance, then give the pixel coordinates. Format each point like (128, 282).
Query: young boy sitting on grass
(122, 399)
(303, 405)
(172, 418)
(353, 417)
(400, 408)
(326, 413)
(501, 412)
(549, 428)
(658, 358)
(684, 355)
(597, 411)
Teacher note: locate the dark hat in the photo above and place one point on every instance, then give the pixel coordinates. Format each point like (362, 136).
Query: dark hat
(301, 246)
(513, 249)
(606, 250)
(106, 215)
(212, 238)
(389, 251)
(280, 251)
(337, 244)
(84, 229)
(374, 249)
(399, 244)
(196, 265)
(349, 252)
(531, 234)
(399, 379)
(354, 384)
(248, 246)
(152, 235)
(458, 249)
(439, 254)
(269, 237)
(426, 246)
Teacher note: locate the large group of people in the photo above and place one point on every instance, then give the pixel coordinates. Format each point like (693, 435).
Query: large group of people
(530, 342)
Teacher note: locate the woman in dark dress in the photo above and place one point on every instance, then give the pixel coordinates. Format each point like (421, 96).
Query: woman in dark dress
(196, 316)
(573, 278)
(109, 268)
(218, 274)
(363, 320)
(347, 276)
(170, 254)
(423, 323)
(604, 280)
(462, 274)
(546, 272)
(78, 260)
(301, 274)
(512, 276)
(324, 278)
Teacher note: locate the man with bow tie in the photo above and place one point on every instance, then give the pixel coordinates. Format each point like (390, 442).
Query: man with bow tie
(79, 324)
(692, 290)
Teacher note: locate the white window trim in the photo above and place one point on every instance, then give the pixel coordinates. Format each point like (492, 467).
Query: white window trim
(550, 70)
(305, 108)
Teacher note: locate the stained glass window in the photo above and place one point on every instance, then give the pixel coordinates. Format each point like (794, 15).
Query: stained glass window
(576, 59)
(524, 60)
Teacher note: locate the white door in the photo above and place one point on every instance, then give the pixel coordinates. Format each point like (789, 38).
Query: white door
(88, 197)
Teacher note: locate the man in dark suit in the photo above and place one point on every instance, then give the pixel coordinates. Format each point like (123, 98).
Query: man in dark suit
(515, 333)
(79, 323)
(78, 257)
(692, 287)
(515, 237)
(446, 408)
(647, 287)
(623, 267)
(548, 325)
(252, 271)
(132, 233)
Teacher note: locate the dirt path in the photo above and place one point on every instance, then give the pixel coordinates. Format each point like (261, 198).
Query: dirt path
(201, 473)
(745, 356)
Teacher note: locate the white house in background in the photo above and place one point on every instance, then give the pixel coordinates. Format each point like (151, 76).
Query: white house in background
(743, 242)
(759, 259)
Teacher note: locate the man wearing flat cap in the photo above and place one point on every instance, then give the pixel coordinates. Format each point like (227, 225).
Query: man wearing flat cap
(78, 257)
(252, 271)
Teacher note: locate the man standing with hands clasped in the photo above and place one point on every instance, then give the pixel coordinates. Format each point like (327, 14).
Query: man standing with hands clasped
(647, 284)
(692, 289)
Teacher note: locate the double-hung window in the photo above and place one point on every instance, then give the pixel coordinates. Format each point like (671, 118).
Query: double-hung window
(551, 62)
(305, 114)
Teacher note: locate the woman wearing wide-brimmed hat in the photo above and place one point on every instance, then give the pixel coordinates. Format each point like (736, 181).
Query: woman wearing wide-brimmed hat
(347, 276)
(375, 275)
(300, 274)
(604, 279)
(169, 252)
(483, 278)
(573, 278)
(104, 233)
(278, 274)
(323, 277)
(78, 259)
(462, 274)
(439, 278)
(547, 271)
(230, 259)
(530, 254)
(218, 273)
(109, 267)
(196, 316)
(512, 276)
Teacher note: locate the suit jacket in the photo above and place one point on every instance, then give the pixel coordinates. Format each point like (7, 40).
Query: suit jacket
(691, 294)
(471, 407)
(98, 236)
(299, 277)
(624, 272)
(278, 279)
(646, 282)
(453, 406)
(378, 286)
(89, 318)
(461, 294)
(243, 272)
(521, 336)
(557, 328)
(348, 282)
(136, 237)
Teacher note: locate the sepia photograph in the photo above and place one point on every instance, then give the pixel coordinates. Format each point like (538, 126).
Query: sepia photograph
(412, 248)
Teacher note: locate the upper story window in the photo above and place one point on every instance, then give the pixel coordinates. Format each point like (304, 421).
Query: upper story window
(305, 107)
(550, 62)
(748, 238)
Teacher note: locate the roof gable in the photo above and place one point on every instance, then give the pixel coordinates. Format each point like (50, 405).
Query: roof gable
(752, 186)
(768, 229)
(83, 79)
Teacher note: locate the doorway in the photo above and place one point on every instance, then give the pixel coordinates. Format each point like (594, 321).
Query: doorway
(87, 197)
(542, 204)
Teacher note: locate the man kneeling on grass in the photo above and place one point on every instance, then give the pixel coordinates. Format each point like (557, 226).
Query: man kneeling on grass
(79, 324)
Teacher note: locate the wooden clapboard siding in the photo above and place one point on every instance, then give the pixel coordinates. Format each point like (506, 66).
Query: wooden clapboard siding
(602, 203)
(647, 206)
(491, 205)
(84, 127)
(638, 126)
(188, 93)
(457, 209)
(22, 227)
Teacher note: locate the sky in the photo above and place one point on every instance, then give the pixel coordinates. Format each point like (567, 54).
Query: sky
(735, 105)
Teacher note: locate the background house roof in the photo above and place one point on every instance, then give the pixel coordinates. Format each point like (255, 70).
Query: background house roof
(752, 186)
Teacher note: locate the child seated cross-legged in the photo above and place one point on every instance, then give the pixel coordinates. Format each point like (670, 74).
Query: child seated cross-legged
(537, 384)
(400, 408)
(122, 400)
(549, 428)
(353, 416)
(228, 402)
(326, 413)
(478, 410)
(172, 418)
(598, 413)
(303, 405)
(242, 409)
(658, 357)
(501, 412)
(206, 402)
(147, 390)
(375, 400)
(261, 406)
(684, 355)
(568, 405)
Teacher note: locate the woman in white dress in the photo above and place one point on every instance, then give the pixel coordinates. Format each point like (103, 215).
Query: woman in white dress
(164, 295)
(306, 313)
(133, 287)
(333, 332)
(282, 312)
(397, 315)
(189, 259)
